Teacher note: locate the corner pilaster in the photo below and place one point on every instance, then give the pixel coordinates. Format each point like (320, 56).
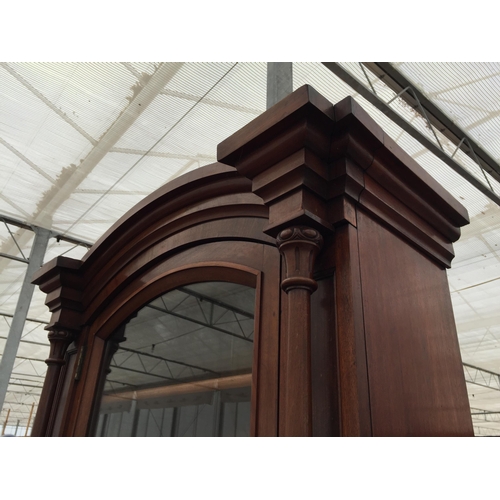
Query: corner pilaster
(299, 246)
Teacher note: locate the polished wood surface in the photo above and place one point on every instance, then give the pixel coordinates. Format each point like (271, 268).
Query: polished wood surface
(59, 342)
(355, 418)
(324, 361)
(299, 246)
(177, 236)
(414, 366)
(309, 195)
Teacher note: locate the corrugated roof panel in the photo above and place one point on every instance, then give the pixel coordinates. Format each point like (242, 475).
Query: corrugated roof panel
(11, 279)
(17, 191)
(196, 78)
(30, 126)
(468, 92)
(157, 119)
(107, 172)
(91, 230)
(152, 172)
(91, 95)
(8, 232)
(73, 208)
(141, 67)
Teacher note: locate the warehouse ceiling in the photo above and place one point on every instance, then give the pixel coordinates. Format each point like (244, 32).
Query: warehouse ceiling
(82, 143)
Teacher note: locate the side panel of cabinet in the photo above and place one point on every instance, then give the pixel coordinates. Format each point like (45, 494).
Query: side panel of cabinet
(415, 373)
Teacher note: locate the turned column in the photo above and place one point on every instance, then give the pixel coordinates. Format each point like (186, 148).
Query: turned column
(59, 340)
(299, 247)
(61, 281)
(286, 154)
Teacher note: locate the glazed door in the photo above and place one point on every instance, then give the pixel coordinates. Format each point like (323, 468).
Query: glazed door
(182, 365)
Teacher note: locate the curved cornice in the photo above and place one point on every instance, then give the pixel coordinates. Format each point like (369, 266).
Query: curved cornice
(162, 224)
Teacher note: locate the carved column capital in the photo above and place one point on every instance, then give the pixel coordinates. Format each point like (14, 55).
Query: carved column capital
(59, 339)
(59, 343)
(299, 245)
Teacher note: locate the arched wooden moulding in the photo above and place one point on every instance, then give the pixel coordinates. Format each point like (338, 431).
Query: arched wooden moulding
(205, 226)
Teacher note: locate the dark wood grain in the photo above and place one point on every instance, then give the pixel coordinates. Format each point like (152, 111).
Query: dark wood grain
(59, 342)
(416, 381)
(324, 361)
(265, 373)
(65, 382)
(280, 119)
(373, 351)
(354, 396)
(299, 247)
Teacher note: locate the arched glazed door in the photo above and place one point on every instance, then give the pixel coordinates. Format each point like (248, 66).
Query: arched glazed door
(198, 241)
(182, 366)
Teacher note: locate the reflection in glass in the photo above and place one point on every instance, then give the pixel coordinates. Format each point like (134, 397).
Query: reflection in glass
(182, 366)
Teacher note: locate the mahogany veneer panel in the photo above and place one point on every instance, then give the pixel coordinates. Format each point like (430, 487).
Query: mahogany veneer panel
(414, 367)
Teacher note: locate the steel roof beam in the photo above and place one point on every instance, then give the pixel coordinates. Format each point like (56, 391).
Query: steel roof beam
(27, 385)
(36, 168)
(397, 82)
(62, 191)
(29, 341)
(16, 328)
(33, 227)
(279, 81)
(13, 257)
(31, 359)
(486, 416)
(197, 322)
(47, 102)
(24, 238)
(479, 376)
(14, 205)
(147, 355)
(22, 404)
(8, 315)
(216, 302)
(160, 154)
(212, 102)
(359, 87)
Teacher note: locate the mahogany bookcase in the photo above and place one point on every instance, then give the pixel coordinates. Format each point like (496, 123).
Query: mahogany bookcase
(346, 241)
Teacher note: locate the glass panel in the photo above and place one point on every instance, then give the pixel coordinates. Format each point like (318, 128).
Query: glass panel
(182, 366)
